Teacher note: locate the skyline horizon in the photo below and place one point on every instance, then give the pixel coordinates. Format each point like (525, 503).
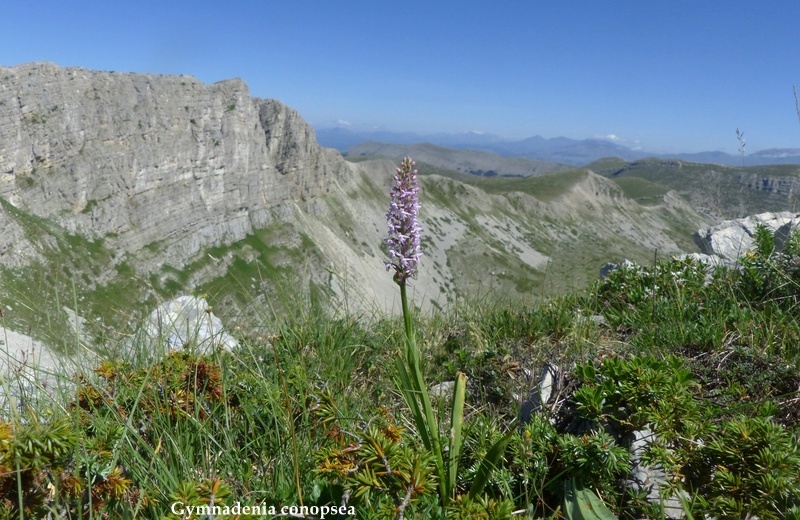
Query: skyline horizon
(349, 126)
(682, 76)
(633, 146)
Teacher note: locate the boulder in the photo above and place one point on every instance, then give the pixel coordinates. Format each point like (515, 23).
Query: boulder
(651, 478)
(723, 244)
(550, 384)
(187, 322)
(732, 238)
(443, 390)
(610, 267)
(35, 375)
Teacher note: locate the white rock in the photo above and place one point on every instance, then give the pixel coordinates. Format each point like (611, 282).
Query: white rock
(732, 238)
(443, 390)
(549, 383)
(187, 322)
(651, 478)
(32, 372)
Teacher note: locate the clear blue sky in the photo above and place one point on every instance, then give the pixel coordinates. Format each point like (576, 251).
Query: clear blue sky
(677, 75)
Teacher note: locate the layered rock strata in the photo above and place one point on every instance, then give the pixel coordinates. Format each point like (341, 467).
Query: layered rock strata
(145, 158)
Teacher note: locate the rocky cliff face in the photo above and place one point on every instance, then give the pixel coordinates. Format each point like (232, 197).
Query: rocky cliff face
(787, 185)
(143, 158)
(118, 191)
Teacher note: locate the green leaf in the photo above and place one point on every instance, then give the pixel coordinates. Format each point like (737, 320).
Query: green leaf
(489, 463)
(407, 389)
(457, 422)
(581, 503)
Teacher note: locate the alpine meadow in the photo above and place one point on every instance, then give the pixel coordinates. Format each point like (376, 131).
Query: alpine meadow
(206, 314)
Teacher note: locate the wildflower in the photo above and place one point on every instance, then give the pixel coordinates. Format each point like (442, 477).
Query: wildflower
(404, 230)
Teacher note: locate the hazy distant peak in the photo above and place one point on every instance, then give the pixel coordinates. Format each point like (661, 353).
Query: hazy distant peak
(576, 152)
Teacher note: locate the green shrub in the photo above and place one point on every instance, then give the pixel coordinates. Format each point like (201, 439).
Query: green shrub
(43, 468)
(752, 467)
(309, 414)
(771, 276)
(629, 394)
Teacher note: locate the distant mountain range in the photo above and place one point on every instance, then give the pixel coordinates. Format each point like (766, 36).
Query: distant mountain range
(576, 152)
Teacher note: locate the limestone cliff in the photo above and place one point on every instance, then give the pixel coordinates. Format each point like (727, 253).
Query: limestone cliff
(118, 191)
(145, 158)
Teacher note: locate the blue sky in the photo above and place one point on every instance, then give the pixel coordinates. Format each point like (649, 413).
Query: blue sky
(667, 76)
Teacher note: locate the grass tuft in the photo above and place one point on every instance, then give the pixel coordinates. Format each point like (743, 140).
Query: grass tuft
(306, 411)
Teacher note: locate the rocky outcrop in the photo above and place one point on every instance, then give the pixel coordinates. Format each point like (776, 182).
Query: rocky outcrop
(187, 322)
(127, 189)
(722, 245)
(781, 185)
(145, 158)
(732, 238)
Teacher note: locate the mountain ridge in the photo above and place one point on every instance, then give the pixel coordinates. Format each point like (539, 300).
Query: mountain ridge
(575, 152)
(473, 162)
(102, 153)
(124, 190)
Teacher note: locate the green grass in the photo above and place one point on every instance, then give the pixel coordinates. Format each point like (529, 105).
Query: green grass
(721, 191)
(543, 187)
(114, 293)
(46, 285)
(296, 414)
(641, 190)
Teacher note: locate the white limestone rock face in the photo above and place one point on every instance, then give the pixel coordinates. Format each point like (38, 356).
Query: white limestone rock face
(187, 322)
(652, 478)
(35, 375)
(732, 238)
(142, 158)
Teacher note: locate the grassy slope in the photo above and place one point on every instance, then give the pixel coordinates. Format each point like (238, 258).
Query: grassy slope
(465, 161)
(578, 221)
(718, 191)
(523, 238)
(267, 419)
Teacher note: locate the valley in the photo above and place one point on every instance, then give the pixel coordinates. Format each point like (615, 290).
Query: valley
(120, 191)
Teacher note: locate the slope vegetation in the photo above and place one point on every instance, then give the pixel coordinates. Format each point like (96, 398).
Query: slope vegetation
(120, 190)
(481, 163)
(719, 192)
